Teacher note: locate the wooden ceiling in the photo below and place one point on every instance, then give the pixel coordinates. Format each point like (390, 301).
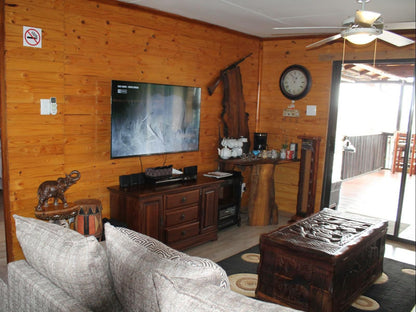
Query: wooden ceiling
(361, 72)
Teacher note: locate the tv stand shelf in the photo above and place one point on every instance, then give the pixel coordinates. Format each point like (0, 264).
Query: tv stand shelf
(182, 214)
(230, 200)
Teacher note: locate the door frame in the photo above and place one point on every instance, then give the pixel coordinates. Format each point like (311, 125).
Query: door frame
(331, 132)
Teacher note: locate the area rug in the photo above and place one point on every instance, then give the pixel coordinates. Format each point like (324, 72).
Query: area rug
(393, 291)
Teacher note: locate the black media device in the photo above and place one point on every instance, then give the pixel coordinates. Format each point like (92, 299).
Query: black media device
(137, 179)
(132, 180)
(124, 181)
(190, 173)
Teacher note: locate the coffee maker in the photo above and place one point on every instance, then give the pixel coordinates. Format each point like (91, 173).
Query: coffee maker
(260, 141)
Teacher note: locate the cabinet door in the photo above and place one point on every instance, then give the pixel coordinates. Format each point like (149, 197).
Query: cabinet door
(144, 215)
(209, 209)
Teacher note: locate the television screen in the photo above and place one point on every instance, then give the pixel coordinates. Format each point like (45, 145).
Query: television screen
(149, 118)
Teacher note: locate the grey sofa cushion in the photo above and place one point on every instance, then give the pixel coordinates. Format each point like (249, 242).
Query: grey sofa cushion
(134, 256)
(4, 296)
(31, 291)
(187, 295)
(75, 263)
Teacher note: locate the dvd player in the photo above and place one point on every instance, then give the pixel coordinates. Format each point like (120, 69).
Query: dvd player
(166, 179)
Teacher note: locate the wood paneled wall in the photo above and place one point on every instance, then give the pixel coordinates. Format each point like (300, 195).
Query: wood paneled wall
(85, 45)
(281, 53)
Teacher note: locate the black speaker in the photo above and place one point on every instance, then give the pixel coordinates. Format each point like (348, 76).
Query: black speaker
(190, 173)
(124, 181)
(137, 179)
(132, 179)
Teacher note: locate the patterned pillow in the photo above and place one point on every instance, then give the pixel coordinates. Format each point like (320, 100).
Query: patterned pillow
(75, 263)
(186, 295)
(134, 256)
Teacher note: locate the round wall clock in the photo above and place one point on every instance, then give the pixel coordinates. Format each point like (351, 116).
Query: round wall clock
(295, 82)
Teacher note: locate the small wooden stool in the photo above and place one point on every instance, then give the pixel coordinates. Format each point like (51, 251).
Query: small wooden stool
(60, 214)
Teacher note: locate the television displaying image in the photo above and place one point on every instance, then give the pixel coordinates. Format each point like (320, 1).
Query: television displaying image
(149, 118)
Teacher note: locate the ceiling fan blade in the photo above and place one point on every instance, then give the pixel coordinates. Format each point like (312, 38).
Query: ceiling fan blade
(323, 41)
(395, 39)
(366, 18)
(308, 27)
(401, 26)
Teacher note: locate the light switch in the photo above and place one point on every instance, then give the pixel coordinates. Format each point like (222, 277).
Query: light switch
(48, 106)
(45, 106)
(310, 110)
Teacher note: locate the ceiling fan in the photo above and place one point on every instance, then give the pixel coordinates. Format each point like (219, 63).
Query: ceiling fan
(365, 27)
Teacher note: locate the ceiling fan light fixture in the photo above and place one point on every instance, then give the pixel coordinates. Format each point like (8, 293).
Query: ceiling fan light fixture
(366, 18)
(361, 35)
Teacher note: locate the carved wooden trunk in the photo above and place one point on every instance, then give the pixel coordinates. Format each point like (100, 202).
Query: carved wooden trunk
(321, 263)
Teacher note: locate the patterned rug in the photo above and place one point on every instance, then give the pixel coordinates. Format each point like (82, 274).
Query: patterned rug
(393, 291)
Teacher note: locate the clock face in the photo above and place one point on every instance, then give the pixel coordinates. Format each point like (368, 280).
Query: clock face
(295, 82)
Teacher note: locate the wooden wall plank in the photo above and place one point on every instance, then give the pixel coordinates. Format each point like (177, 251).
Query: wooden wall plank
(88, 43)
(281, 53)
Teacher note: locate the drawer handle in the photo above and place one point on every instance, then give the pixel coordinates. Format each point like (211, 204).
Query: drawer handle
(183, 199)
(183, 233)
(182, 216)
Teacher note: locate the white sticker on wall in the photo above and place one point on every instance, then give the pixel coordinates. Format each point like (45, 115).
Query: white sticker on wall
(32, 37)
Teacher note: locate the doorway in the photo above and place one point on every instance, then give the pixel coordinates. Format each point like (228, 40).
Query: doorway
(370, 106)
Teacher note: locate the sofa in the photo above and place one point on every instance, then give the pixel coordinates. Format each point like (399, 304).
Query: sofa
(66, 271)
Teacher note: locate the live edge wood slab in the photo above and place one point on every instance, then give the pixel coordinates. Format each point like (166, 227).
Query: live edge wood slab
(58, 212)
(321, 263)
(262, 208)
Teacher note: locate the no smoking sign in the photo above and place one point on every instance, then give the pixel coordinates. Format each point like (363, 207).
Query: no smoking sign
(32, 37)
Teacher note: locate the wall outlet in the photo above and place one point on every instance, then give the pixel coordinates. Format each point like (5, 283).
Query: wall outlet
(310, 110)
(290, 112)
(243, 188)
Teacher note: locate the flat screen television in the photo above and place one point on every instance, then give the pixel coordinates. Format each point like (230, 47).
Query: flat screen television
(148, 118)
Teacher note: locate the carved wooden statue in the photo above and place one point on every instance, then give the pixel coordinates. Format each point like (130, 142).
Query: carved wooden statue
(234, 116)
(56, 189)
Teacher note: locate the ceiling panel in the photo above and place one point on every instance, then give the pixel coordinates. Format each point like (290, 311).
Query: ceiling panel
(259, 17)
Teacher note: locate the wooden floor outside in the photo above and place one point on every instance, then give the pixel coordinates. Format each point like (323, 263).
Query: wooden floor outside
(376, 194)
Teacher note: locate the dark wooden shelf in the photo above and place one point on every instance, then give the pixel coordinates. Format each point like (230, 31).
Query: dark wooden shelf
(181, 214)
(252, 162)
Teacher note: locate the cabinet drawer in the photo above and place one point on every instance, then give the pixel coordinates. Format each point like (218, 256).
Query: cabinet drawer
(181, 199)
(179, 216)
(182, 232)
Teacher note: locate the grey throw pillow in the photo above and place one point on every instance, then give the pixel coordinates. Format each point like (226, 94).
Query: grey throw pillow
(75, 263)
(134, 257)
(187, 295)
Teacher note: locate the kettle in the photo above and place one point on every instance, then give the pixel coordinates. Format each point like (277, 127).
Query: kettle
(224, 153)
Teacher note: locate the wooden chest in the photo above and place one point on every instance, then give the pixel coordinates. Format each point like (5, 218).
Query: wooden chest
(321, 263)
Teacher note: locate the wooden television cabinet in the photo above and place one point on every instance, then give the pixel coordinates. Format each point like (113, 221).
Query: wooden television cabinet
(181, 215)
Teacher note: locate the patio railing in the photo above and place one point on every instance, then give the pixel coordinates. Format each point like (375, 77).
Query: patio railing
(369, 156)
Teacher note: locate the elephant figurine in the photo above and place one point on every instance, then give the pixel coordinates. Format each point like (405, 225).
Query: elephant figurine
(56, 189)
